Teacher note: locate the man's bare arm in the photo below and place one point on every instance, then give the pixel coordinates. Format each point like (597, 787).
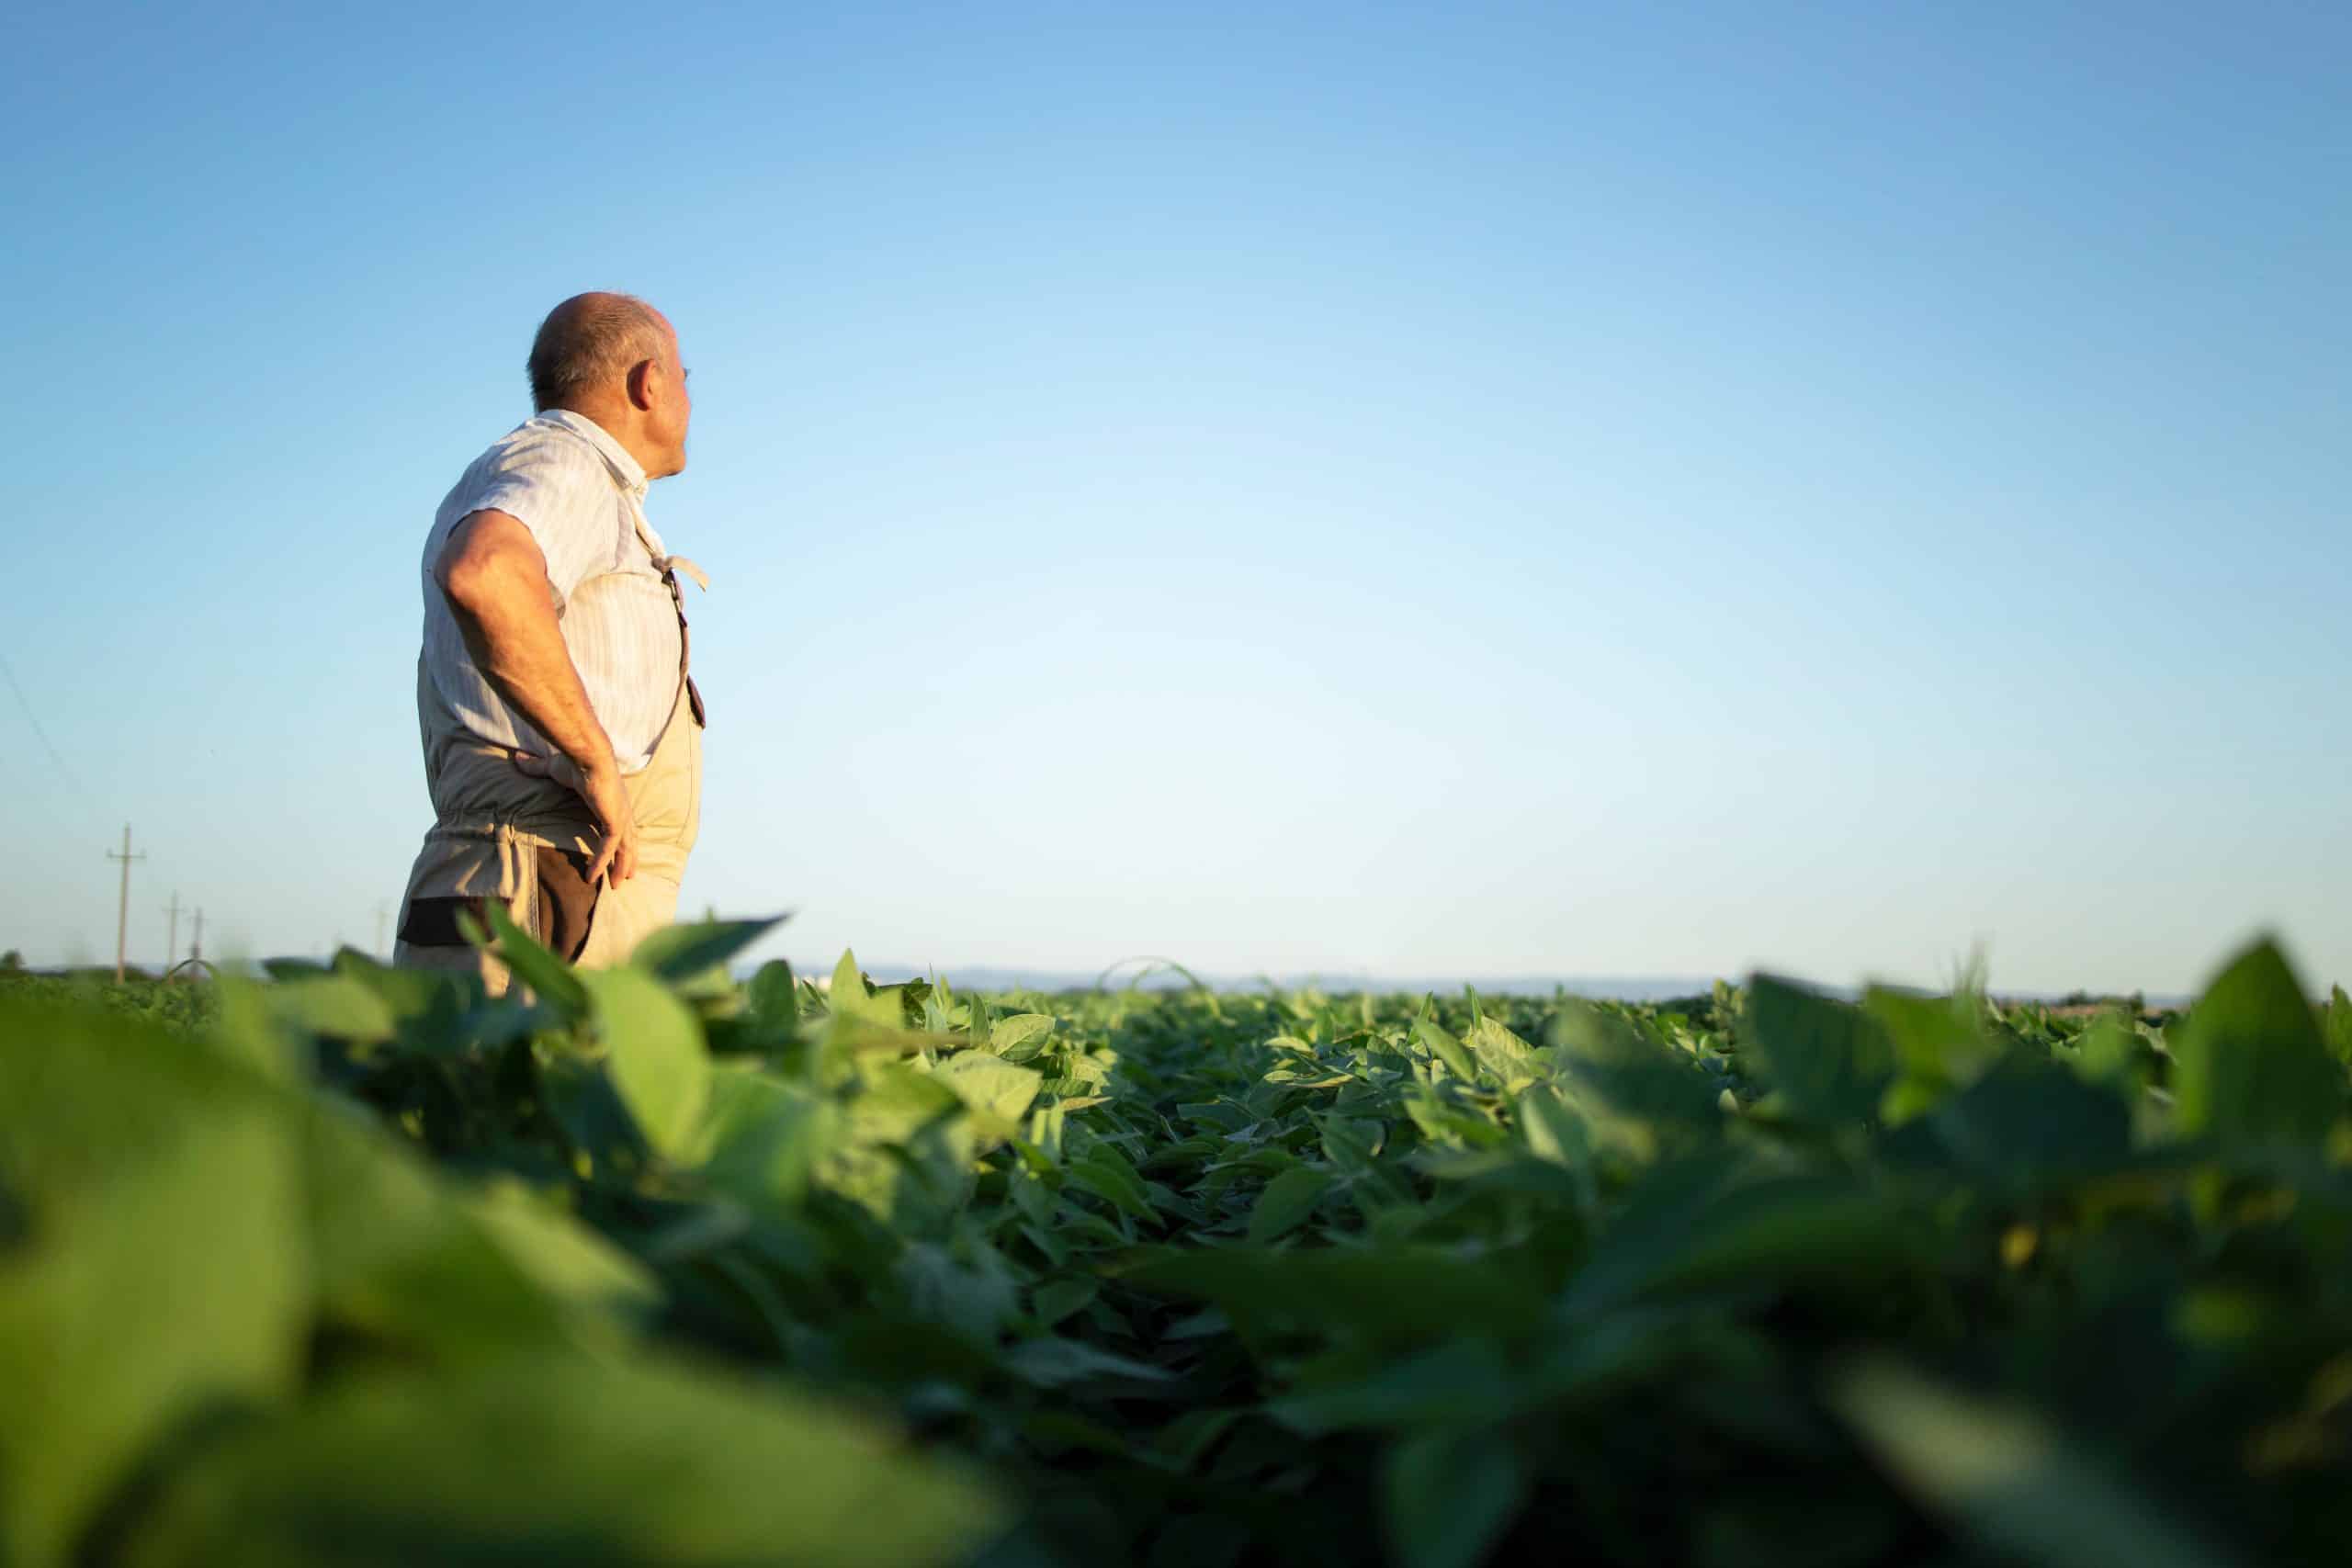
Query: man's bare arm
(496, 583)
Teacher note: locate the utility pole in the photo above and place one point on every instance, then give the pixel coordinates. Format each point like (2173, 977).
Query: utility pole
(382, 910)
(122, 909)
(195, 948)
(172, 948)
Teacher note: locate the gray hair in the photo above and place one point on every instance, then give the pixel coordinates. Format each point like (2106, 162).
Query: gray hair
(588, 343)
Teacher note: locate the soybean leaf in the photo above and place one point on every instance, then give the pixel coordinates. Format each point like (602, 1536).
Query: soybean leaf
(2339, 1025)
(157, 1270)
(683, 952)
(765, 1136)
(1448, 1495)
(1020, 1037)
(556, 1457)
(338, 1006)
(2249, 1064)
(2008, 1477)
(1463, 1382)
(1447, 1049)
(1053, 1363)
(533, 964)
(1286, 1202)
(1828, 1060)
(1389, 1296)
(996, 1089)
(1057, 1299)
(1510, 1061)
(774, 998)
(654, 1050)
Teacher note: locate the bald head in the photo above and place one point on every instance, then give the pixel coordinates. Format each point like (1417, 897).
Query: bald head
(614, 360)
(589, 344)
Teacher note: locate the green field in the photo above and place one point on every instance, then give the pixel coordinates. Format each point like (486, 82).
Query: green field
(354, 1265)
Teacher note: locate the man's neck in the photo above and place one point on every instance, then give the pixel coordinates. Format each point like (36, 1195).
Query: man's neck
(615, 423)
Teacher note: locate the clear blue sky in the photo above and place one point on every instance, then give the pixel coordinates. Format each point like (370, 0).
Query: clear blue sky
(1451, 489)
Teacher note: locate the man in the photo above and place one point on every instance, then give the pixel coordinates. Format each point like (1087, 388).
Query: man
(563, 734)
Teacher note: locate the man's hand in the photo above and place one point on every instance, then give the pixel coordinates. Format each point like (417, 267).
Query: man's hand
(607, 797)
(496, 583)
(618, 854)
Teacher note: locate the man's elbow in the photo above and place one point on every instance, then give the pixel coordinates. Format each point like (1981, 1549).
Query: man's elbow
(464, 578)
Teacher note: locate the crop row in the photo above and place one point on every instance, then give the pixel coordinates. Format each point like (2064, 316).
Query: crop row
(647, 1266)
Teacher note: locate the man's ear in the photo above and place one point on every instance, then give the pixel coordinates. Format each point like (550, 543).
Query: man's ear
(641, 377)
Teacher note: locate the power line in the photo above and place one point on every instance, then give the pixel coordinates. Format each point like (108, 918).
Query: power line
(34, 719)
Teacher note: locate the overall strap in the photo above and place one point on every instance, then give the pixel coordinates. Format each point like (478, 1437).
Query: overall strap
(669, 566)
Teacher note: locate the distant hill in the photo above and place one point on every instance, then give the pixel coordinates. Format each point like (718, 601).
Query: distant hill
(990, 978)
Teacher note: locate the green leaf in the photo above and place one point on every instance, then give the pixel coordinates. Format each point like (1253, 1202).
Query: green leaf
(848, 998)
(971, 1294)
(585, 1103)
(1463, 1382)
(404, 1256)
(1829, 1061)
(1020, 1037)
(1633, 1077)
(683, 952)
(2339, 1025)
(766, 1137)
(774, 996)
(906, 1151)
(554, 981)
(2008, 1477)
(995, 1089)
(1387, 1295)
(1705, 1226)
(1057, 1299)
(337, 1006)
(156, 1271)
(1940, 1043)
(1057, 1364)
(849, 980)
(1104, 1173)
(2110, 1052)
(2023, 1123)
(2250, 1065)
(1447, 1497)
(1509, 1060)
(562, 1459)
(1286, 1202)
(654, 1051)
(1447, 1049)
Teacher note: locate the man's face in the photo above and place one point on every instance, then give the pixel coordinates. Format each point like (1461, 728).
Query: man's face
(666, 420)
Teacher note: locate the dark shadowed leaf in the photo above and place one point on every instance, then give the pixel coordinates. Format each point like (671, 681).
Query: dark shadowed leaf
(1054, 1363)
(1828, 1060)
(1634, 1076)
(1702, 1226)
(1448, 1495)
(1462, 1382)
(552, 1458)
(682, 952)
(2250, 1064)
(1396, 1293)
(2009, 1478)
(2027, 1121)
(1287, 1201)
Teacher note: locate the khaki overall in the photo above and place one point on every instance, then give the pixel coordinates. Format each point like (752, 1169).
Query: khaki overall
(527, 841)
